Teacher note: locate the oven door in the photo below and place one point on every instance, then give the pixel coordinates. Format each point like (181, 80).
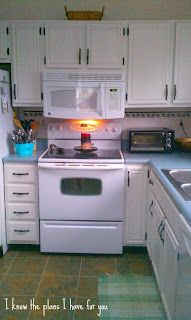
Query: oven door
(74, 99)
(84, 192)
(147, 141)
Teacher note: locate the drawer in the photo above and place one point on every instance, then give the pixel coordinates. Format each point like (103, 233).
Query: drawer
(22, 232)
(20, 173)
(20, 193)
(21, 211)
(81, 237)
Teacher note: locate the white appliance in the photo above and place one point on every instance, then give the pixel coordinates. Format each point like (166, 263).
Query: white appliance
(183, 301)
(83, 95)
(6, 128)
(81, 194)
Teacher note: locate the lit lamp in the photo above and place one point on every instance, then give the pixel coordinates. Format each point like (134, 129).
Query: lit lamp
(84, 128)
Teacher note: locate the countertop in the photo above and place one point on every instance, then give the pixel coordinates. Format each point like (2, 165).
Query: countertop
(166, 161)
(40, 148)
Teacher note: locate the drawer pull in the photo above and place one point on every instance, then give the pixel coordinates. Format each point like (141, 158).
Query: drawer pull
(20, 174)
(20, 212)
(21, 193)
(21, 231)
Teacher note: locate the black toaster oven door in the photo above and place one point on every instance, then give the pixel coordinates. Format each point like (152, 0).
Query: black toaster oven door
(147, 141)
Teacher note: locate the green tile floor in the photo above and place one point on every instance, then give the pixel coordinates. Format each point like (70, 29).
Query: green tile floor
(62, 279)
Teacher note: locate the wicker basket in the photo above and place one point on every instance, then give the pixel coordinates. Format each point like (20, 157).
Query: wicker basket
(84, 15)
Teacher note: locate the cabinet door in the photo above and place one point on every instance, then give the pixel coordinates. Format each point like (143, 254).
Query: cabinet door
(105, 45)
(63, 45)
(148, 72)
(135, 207)
(26, 65)
(150, 224)
(158, 243)
(4, 43)
(182, 72)
(169, 274)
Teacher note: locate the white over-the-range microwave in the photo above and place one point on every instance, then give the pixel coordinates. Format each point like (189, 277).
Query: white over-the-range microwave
(73, 95)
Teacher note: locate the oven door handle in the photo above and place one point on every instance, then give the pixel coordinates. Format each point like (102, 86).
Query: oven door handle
(81, 166)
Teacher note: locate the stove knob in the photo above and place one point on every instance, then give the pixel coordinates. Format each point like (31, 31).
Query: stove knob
(113, 129)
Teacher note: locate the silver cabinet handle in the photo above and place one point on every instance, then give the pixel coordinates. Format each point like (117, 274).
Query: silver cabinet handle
(151, 182)
(20, 212)
(21, 231)
(21, 193)
(88, 55)
(166, 92)
(14, 91)
(151, 204)
(161, 232)
(80, 55)
(174, 96)
(20, 174)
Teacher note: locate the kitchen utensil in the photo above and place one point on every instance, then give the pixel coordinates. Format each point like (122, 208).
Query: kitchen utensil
(17, 123)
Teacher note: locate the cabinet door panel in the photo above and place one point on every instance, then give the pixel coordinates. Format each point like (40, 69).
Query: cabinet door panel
(4, 48)
(26, 66)
(135, 207)
(105, 45)
(169, 275)
(182, 73)
(63, 45)
(158, 244)
(149, 47)
(150, 224)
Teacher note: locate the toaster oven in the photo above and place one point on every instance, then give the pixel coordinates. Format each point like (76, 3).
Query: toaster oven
(151, 140)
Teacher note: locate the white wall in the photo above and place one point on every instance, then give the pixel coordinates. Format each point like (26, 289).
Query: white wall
(114, 9)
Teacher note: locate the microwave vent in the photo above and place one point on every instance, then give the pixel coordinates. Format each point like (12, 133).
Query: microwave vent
(95, 76)
(83, 76)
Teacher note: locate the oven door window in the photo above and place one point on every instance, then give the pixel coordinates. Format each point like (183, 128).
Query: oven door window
(81, 186)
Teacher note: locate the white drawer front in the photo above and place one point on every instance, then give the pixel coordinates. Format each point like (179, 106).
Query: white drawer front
(20, 193)
(21, 211)
(81, 237)
(22, 232)
(20, 173)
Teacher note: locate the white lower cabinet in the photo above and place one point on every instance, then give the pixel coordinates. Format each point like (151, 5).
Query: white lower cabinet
(158, 242)
(169, 274)
(135, 208)
(21, 198)
(163, 243)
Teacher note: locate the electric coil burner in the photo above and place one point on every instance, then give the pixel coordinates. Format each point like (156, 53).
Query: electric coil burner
(81, 191)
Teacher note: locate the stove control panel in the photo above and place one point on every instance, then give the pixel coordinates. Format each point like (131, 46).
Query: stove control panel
(106, 130)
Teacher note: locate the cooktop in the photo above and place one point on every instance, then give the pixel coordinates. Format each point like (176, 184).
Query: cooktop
(69, 154)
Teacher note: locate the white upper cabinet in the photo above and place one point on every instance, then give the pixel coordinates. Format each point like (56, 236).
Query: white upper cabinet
(4, 43)
(26, 84)
(84, 45)
(63, 45)
(105, 45)
(182, 71)
(149, 67)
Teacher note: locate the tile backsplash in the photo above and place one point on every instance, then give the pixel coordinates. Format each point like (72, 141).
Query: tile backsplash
(132, 120)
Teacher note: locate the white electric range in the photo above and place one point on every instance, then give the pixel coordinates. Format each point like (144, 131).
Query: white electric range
(81, 193)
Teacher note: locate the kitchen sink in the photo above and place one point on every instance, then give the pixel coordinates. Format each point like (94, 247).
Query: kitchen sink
(181, 180)
(181, 175)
